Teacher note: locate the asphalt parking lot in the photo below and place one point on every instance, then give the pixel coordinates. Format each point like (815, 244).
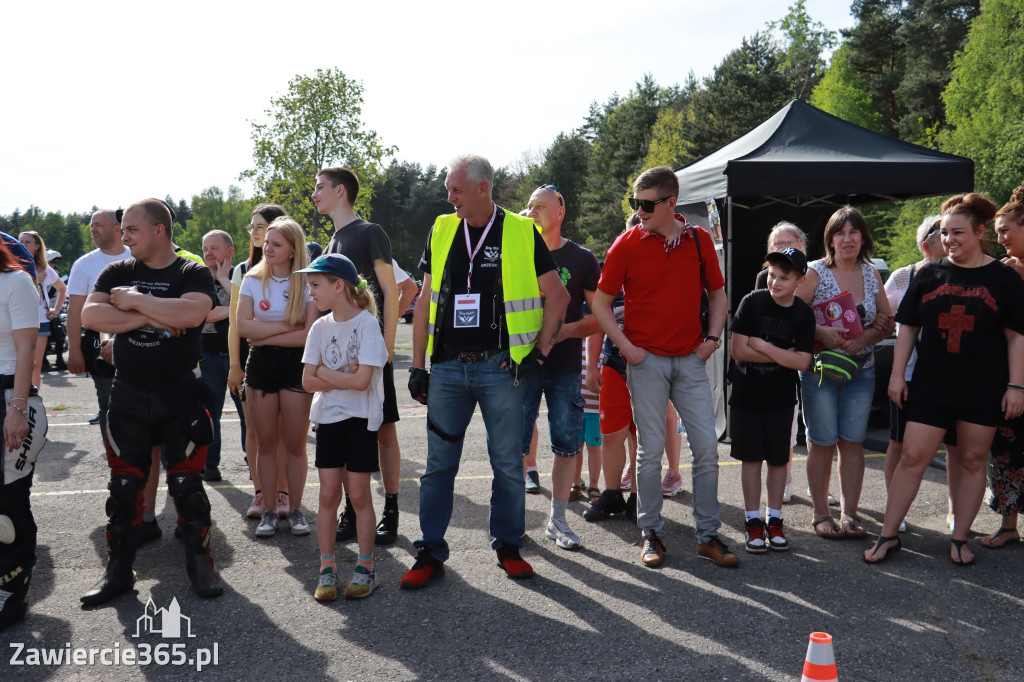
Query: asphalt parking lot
(595, 614)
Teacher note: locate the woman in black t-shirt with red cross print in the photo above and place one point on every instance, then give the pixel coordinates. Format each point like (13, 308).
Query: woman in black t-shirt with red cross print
(969, 310)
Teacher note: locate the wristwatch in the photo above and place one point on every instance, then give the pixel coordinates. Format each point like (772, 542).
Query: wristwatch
(718, 341)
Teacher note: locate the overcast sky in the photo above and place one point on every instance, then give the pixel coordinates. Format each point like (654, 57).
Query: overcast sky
(109, 102)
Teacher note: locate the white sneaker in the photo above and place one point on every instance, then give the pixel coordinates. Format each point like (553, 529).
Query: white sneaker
(297, 522)
(832, 501)
(903, 526)
(268, 524)
(559, 531)
(787, 494)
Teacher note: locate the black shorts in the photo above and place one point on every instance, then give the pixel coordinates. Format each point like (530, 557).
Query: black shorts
(761, 435)
(271, 369)
(898, 425)
(925, 410)
(347, 444)
(390, 396)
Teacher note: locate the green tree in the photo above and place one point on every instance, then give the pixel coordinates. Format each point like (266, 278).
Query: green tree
(212, 210)
(406, 201)
(801, 43)
(317, 123)
(565, 166)
(842, 92)
(985, 98)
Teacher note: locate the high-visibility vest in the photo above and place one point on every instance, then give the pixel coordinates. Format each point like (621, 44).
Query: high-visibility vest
(523, 305)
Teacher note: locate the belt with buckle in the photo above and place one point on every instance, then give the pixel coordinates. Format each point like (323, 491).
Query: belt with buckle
(470, 357)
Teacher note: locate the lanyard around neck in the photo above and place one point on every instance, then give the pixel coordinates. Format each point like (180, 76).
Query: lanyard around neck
(479, 245)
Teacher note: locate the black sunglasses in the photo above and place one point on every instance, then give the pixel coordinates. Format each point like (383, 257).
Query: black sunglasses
(554, 189)
(935, 228)
(646, 204)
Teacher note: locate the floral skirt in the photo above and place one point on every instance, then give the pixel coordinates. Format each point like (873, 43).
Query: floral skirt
(1005, 494)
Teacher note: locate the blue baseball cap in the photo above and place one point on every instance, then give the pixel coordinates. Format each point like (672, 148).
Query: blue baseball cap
(334, 264)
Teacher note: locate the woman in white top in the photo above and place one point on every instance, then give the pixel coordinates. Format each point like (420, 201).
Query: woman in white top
(46, 277)
(275, 313)
(18, 330)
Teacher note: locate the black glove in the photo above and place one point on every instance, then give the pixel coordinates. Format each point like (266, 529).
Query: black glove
(419, 382)
(533, 362)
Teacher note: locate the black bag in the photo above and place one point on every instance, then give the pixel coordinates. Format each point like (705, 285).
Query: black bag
(704, 303)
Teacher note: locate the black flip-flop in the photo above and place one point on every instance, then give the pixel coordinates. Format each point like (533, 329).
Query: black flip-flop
(1002, 531)
(889, 552)
(959, 544)
(833, 525)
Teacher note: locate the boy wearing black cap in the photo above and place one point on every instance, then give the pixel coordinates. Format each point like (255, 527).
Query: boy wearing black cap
(772, 338)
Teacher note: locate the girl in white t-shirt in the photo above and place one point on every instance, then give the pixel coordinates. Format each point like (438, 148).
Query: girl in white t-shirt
(274, 314)
(46, 277)
(343, 363)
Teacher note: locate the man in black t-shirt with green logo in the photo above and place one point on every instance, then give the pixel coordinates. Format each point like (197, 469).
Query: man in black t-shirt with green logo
(155, 303)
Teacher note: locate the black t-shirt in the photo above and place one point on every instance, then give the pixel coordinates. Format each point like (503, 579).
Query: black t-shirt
(761, 281)
(363, 243)
(486, 275)
(580, 272)
(962, 312)
(148, 355)
(769, 385)
(215, 334)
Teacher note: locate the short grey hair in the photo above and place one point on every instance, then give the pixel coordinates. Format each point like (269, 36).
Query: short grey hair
(924, 231)
(785, 225)
(108, 213)
(223, 235)
(478, 169)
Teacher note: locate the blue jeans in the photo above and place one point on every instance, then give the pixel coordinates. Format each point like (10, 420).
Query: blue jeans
(455, 390)
(834, 412)
(214, 368)
(565, 409)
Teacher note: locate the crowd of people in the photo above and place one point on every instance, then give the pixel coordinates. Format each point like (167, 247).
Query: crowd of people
(511, 312)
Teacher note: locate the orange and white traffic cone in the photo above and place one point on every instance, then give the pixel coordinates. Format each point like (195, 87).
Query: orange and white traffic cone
(820, 662)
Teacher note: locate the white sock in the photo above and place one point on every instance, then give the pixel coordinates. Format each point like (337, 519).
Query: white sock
(756, 514)
(558, 508)
(531, 468)
(774, 513)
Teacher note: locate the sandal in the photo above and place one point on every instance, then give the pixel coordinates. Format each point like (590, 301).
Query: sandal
(852, 527)
(890, 551)
(959, 545)
(575, 492)
(990, 541)
(835, 532)
(594, 494)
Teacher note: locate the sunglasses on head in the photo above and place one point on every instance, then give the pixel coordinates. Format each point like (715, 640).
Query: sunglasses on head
(646, 204)
(552, 188)
(935, 228)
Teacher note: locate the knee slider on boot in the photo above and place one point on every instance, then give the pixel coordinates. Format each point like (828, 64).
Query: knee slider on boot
(7, 532)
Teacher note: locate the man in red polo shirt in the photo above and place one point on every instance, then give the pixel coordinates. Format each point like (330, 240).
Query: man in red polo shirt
(657, 264)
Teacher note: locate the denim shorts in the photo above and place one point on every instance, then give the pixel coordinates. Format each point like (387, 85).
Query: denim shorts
(834, 412)
(565, 409)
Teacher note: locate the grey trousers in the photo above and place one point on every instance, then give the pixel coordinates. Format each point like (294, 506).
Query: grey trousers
(684, 381)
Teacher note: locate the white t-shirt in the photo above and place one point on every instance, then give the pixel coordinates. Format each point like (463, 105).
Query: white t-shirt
(19, 306)
(400, 274)
(335, 345)
(269, 299)
(87, 268)
(51, 277)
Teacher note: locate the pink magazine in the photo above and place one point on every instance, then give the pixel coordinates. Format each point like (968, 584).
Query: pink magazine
(838, 311)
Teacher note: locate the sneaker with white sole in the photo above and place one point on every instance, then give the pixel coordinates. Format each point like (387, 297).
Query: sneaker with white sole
(903, 527)
(832, 501)
(363, 584)
(754, 540)
(256, 508)
(672, 483)
(282, 505)
(559, 531)
(777, 541)
(626, 483)
(787, 493)
(268, 524)
(327, 586)
(297, 522)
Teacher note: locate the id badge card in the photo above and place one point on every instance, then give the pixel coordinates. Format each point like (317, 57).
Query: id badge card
(467, 311)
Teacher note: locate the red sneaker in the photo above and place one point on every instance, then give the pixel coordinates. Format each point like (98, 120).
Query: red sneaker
(425, 569)
(512, 563)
